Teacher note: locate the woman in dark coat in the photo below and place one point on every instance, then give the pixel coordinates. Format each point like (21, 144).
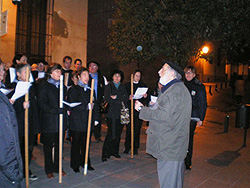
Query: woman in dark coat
(78, 120)
(20, 105)
(115, 94)
(48, 100)
(137, 122)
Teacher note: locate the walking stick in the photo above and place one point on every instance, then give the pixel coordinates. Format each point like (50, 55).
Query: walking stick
(60, 129)
(89, 127)
(26, 132)
(132, 117)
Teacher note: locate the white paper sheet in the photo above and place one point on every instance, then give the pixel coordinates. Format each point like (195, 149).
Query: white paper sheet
(6, 91)
(153, 98)
(13, 75)
(41, 74)
(72, 105)
(140, 92)
(21, 89)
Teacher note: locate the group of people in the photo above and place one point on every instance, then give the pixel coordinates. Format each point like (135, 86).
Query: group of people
(172, 118)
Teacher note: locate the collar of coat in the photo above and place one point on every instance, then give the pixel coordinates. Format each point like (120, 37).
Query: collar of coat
(164, 88)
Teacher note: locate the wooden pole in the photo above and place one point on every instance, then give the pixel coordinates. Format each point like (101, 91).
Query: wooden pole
(89, 127)
(26, 133)
(60, 129)
(132, 116)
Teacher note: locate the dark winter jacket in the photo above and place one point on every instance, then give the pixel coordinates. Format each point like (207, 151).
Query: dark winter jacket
(11, 167)
(48, 101)
(115, 105)
(199, 98)
(78, 119)
(20, 113)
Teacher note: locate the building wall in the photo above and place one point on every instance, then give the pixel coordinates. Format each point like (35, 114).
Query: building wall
(69, 30)
(7, 42)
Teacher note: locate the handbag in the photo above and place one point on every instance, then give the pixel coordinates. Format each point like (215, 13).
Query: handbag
(125, 118)
(104, 107)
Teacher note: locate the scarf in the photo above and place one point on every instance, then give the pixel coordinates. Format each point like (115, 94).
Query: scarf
(85, 86)
(54, 82)
(117, 85)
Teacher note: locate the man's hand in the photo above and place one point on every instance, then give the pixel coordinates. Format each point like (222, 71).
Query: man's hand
(138, 105)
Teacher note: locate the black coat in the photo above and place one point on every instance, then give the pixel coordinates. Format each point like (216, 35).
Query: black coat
(115, 105)
(78, 119)
(11, 167)
(48, 101)
(20, 113)
(199, 98)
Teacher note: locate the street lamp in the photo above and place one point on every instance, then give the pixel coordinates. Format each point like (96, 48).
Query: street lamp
(139, 49)
(204, 50)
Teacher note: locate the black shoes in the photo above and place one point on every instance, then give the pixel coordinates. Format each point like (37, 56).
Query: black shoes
(116, 155)
(126, 151)
(104, 159)
(98, 140)
(76, 170)
(90, 168)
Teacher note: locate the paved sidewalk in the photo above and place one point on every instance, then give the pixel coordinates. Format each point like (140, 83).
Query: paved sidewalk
(218, 160)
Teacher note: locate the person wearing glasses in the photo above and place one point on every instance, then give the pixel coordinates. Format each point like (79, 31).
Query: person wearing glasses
(199, 107)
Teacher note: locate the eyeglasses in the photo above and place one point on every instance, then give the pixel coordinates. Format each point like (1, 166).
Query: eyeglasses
(189, 72)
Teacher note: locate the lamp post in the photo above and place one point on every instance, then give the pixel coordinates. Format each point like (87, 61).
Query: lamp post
(139, 49)
(203, 51)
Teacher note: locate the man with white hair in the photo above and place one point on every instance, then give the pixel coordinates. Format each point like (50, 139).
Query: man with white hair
(168, 132)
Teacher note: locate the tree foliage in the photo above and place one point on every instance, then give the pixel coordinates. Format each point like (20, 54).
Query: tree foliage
(178, 28)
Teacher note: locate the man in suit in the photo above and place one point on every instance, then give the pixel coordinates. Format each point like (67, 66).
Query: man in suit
(99, 86)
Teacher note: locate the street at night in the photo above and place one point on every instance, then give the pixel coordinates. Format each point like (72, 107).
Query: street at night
(219, 160)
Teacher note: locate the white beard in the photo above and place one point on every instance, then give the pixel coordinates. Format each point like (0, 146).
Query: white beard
(164, 79)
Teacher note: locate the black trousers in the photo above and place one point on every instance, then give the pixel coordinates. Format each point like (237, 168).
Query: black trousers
(78, 149)
(98, 128)
(188, 159)
(51, 140)
(137, 131)
(113, 137)
(22, 149)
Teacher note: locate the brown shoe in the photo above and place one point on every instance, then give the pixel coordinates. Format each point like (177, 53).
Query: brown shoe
(64, 173)
(50, 175)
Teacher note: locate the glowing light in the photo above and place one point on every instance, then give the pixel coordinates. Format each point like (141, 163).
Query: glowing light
(205, 49)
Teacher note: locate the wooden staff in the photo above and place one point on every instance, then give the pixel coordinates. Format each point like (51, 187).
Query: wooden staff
(132, 116)
(26, 132)
(60, 129)
(66, 79)
(89, 127)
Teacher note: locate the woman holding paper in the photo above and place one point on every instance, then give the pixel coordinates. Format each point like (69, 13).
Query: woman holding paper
(78, 121)
(20, 105)
(115, 94)
(137, 122)
(48, 100)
